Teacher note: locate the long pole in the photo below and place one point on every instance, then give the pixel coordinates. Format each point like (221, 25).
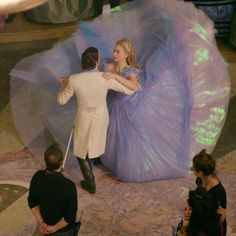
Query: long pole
(67, 148)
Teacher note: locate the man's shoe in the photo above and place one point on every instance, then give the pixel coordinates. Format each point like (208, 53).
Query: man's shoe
(88, 183)
(88, 186)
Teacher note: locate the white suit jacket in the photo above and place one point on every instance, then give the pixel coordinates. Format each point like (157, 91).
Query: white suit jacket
(92, 116)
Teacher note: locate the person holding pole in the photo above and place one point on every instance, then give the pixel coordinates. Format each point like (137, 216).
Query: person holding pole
(92, 118)
(53, 197)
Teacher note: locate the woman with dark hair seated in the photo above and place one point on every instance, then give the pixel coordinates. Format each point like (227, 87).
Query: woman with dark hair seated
(204, 169)
(200, 215)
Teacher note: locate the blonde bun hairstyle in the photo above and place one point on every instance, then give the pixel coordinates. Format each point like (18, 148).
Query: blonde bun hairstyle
(129, 49)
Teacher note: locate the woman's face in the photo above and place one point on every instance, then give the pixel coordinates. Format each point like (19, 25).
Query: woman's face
(187, 210)
(119, 54)
(194, 171)
(198, 174)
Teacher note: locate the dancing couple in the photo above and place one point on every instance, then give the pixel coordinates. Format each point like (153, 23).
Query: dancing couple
(180, 91)
(91, 122)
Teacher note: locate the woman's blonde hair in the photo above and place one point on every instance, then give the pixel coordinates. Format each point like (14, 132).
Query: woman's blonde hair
(129, 49)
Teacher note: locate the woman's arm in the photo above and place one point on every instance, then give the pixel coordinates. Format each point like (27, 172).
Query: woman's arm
(222, 213)
(131, 82)
(220, 195)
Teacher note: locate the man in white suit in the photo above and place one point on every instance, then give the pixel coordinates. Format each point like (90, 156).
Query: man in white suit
(92, 118)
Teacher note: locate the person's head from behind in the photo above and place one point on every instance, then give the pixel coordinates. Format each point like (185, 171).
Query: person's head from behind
(109, 65)
(53, 157)
(90, 58)
(203, 163)
(124, 52)
(204, 217)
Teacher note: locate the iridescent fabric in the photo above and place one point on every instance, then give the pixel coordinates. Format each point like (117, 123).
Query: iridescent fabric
(179, 109)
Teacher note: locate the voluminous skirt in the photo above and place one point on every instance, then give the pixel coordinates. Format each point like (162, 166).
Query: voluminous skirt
(180, 108)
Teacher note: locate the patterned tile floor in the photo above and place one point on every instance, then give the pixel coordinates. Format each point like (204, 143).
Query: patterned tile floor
(117, 209)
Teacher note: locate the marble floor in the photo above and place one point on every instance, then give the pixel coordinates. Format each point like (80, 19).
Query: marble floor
(117, 209)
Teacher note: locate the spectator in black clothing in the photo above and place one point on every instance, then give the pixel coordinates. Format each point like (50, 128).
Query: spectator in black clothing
(204, 169)
(201, 218)
(98, 5)
(53, 197)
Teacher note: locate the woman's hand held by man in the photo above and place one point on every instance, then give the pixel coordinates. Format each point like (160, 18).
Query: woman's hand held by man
(63, 81)
(108, 75)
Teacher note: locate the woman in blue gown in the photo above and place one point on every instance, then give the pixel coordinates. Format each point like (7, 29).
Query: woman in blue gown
(136, 143)
(179, 109)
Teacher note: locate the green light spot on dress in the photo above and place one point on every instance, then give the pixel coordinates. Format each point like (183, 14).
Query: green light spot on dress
(198, 29)
(207, 131)
(201, 55)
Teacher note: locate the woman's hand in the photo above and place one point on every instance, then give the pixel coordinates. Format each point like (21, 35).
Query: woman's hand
(131, 82)
(108, 75)
(182, 233)
(63, 81)
(222, 213)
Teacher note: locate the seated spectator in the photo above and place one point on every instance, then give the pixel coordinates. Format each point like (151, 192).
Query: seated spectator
(98, 6)
(204, 169)
(2, 22)
(53, 197)
(200, 215)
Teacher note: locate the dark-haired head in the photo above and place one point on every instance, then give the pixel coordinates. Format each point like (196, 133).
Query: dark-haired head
(53, 157)
(204, 217)
(89, 58)
(204, 162)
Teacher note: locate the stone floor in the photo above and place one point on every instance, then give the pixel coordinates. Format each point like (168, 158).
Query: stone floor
(117, 209)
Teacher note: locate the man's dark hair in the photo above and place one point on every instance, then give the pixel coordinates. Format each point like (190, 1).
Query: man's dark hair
(53, 157)
(89, 58)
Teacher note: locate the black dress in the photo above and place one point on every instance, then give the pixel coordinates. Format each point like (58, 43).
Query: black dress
(219, 193)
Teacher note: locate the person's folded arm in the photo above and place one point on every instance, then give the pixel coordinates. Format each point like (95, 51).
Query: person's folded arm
(59, 225)
(41, 224)
(36, 212)
(70, 213)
